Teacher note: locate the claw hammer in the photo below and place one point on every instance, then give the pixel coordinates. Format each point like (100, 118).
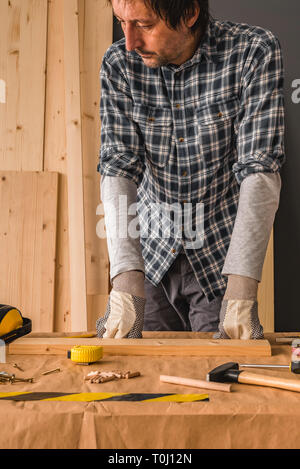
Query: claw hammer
(230, 373)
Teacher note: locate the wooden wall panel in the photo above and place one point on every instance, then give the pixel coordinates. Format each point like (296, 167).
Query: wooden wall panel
(23, 30)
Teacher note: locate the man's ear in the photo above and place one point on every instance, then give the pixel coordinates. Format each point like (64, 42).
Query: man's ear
(193, 15)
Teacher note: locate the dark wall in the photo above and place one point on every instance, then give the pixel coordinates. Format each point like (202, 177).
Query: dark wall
(282, 18)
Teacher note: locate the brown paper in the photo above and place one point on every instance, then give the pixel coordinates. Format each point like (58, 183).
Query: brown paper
(248, 417)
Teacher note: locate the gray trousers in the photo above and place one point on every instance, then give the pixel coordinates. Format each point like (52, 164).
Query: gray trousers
(178, 303)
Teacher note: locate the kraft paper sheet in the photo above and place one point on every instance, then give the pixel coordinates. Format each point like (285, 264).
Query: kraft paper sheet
(248, 417)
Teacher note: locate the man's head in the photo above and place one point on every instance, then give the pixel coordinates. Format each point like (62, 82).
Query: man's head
(162, 31)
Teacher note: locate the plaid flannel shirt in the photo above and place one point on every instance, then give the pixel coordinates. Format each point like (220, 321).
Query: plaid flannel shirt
(192, 133)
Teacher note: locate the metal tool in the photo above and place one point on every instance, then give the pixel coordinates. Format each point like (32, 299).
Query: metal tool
(230, 372)
(293, 367)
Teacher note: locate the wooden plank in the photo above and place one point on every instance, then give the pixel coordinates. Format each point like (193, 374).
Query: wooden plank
(145, 347)
(78, 292)
(265, 294)
(97, 305)
(28, 207)
(96, 35)
(95, 19)
(55, 157)
(23, 34)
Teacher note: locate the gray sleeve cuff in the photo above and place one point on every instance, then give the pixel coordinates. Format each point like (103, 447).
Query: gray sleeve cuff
(118, 194)
(258, 204)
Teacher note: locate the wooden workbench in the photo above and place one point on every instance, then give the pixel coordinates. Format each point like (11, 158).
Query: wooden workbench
(248, 417)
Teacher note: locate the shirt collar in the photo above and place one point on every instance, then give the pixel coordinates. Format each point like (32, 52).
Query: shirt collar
(208, 45)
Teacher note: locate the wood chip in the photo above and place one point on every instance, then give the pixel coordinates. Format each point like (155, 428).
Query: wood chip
(105, 376)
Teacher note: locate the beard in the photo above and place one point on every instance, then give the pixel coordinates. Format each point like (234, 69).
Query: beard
(153, 60)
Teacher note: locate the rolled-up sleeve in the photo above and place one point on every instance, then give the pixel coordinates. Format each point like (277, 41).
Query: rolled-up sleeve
(122, 148)
(260, 122)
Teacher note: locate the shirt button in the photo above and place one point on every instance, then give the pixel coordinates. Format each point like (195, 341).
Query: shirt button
(173, 251)
(178, 106)
(151, 119)
(220, 114)
(184, 173)
(181, 139)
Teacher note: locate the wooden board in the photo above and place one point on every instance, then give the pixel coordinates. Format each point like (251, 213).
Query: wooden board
(23, 35)
(55, 157)
(265, 294)
(147, 347)
(28, 208)
(96, 35)
(75, 167)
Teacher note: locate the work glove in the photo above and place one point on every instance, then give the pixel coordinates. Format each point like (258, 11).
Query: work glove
(239, 311)
(124, 316)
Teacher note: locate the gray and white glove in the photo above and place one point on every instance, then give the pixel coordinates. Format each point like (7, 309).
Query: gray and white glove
(124, 316)
(239, 320)
(239, 310)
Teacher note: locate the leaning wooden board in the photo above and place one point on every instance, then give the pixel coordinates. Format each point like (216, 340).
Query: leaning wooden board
(154, 347)
(28, 208)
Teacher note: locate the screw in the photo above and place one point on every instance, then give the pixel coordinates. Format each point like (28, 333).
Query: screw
(15, 365)
(51, 371)
(22, 380)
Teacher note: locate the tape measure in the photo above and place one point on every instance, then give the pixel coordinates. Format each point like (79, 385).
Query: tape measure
(85, 354)
(12, 324)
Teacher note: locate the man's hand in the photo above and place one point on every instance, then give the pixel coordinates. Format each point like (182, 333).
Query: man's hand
(124, 315)
(239, 310)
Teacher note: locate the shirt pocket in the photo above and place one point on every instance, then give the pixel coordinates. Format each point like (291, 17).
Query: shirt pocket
(216, 134)
(156, 128)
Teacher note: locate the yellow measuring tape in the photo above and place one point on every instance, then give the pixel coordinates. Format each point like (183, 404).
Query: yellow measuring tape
(85, 354)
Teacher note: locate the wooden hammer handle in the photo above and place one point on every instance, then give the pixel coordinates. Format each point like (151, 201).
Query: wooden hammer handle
(196, 383)
(272, 381)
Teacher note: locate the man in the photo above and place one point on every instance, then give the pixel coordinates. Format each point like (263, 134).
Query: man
(192, 116)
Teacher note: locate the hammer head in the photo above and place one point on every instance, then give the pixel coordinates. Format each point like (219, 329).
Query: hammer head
(228, 372)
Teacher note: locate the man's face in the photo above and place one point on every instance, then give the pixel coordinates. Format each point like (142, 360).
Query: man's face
(150, 37)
